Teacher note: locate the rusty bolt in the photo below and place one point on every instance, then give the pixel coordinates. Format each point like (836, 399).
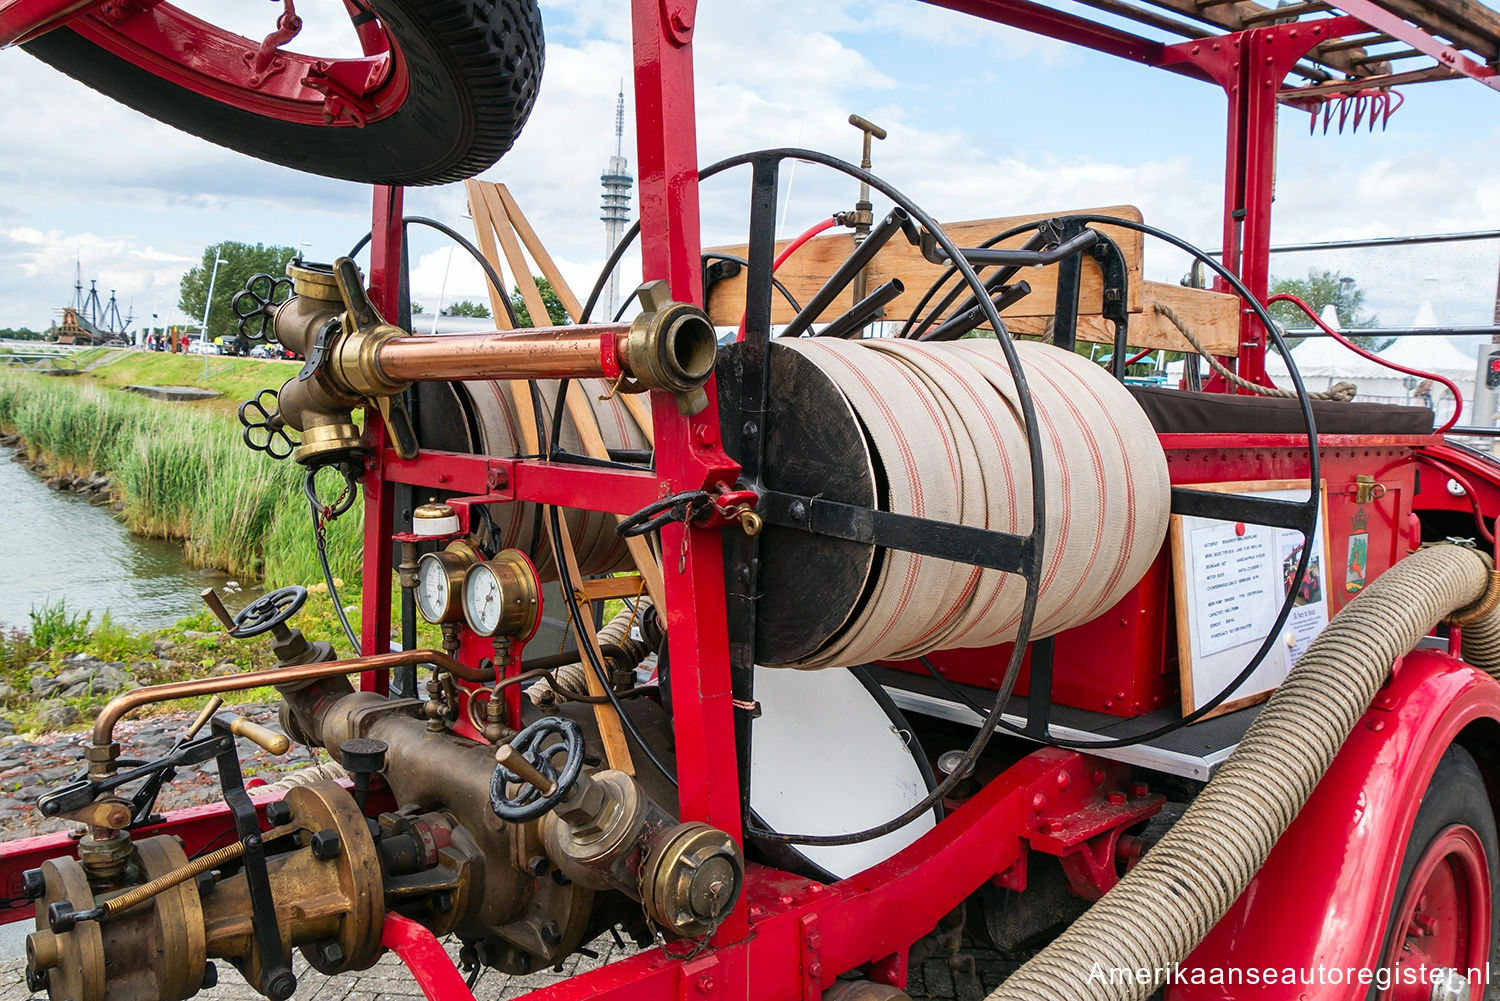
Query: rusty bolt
(551, 934)
(329, 952)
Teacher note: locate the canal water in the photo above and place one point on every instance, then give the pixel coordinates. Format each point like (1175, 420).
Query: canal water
(56, 546)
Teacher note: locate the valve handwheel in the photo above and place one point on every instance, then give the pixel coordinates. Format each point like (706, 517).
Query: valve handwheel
(256, 303)
(535, 746)
(264, 431)
(268, 611)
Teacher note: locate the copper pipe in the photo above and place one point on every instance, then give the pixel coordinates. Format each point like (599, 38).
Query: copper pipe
(543, 353)
(104, 726)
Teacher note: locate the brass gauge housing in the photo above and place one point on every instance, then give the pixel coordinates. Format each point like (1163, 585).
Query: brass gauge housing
(502, 596)
(440, 582)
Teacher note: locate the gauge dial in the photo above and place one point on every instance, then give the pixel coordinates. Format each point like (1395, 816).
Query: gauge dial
(484, 600)
(501, 596)
(440, 580)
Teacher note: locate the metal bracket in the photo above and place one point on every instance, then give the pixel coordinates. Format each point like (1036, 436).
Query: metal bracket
(944, 540)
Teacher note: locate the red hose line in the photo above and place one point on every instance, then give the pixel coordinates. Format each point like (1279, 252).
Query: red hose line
(1458, 397)
(791, 249)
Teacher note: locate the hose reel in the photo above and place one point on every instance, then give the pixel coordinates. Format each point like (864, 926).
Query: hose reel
(933, 431)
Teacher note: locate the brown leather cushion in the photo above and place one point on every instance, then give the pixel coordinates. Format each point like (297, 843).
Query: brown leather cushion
(1176, 411)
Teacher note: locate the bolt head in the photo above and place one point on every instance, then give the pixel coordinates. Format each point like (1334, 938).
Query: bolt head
(329, 953)
(325, 845)
(278, 813)
(33, 884)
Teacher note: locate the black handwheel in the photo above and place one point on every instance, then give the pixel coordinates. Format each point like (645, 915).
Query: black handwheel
(1443, 921)
(268, 611)
(530, 803)
(264, 430)
(441, 93)
(256, 303)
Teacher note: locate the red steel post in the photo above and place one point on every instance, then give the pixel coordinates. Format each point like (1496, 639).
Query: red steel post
(375, 603)
(687, 449)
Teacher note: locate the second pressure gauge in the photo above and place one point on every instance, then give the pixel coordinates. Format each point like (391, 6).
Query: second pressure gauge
(502, 596)
(440, 582)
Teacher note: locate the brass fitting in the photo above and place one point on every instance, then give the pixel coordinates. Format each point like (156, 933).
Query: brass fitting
(671, 347)
(607, 834)
(161, 947)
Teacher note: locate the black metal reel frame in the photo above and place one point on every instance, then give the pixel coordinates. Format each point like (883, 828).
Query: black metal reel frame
(1021, 555)
(1009, 553)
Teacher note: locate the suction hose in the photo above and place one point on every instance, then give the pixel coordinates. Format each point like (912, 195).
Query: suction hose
(1166, 905)
(573, 677)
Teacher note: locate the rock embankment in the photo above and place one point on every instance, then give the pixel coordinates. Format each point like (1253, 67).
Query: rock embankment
(93, 486)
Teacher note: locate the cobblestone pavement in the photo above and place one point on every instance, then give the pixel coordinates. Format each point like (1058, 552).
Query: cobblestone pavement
(978, 972)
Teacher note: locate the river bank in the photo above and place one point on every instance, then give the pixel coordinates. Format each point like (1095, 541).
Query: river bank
(176, 472)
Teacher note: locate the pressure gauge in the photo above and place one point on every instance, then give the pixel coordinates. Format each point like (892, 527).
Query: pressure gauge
(502, 596)
(440, 582)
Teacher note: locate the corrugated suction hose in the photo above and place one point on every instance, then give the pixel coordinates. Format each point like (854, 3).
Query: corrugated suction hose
(1166, 905)
(616, 632)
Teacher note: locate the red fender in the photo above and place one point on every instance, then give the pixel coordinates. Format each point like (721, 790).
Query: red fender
(1320, 904)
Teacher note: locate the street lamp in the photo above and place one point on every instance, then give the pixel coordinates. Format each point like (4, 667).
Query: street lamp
(207, 302)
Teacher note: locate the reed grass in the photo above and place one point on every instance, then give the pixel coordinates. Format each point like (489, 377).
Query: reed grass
(186, 475)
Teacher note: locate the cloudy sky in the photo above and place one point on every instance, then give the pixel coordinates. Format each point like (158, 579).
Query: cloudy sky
(983, 121)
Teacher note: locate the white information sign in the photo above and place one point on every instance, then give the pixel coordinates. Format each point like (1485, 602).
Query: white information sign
(1231, 580)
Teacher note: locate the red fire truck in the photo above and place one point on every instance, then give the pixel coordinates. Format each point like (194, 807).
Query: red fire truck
(948, 625)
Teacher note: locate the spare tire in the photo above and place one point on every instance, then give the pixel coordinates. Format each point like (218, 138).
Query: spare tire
(445, 100)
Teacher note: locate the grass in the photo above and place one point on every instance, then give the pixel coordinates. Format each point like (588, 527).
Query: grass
(183, 474)
(236, 379)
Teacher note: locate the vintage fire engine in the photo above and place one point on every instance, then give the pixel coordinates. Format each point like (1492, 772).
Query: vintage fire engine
(947, 625)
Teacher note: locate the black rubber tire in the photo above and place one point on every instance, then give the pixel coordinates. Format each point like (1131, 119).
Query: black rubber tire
(475, 68)
(1456, 795)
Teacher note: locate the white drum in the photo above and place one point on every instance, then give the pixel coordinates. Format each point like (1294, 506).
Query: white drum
(827, 756)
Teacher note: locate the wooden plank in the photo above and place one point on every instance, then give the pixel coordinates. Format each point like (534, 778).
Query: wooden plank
(520, 271)
(611, 729)
(484, 231)
(1213, 317)
(605, 588)
(806, 270)
(1434, 19)
(538, 252)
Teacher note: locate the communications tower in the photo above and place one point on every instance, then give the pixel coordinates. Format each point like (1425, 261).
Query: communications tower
(617, 183)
